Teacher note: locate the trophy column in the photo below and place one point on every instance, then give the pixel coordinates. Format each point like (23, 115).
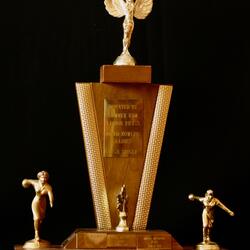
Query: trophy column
(123, 121)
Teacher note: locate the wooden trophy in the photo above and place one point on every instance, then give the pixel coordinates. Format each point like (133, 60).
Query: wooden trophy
(123, 121)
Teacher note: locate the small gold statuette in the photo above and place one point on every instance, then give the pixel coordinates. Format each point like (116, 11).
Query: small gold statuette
(209, 202)
(42, 190)
(122, 198)
(129, 9)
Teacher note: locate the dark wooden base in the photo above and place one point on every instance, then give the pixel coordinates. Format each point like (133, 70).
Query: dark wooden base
(58, 247)
(99, 239)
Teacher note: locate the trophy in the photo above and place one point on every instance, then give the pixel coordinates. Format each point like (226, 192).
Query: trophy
(42, 190)
(123, 119)
(122, 208)
(209, 202)
(129, 9)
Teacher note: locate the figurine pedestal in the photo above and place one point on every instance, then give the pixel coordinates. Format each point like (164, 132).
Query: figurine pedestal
(31, 244)
(51, 247)
(208, 246)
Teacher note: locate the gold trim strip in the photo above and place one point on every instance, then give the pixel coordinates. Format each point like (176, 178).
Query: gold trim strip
(93, 154)
(152, 157)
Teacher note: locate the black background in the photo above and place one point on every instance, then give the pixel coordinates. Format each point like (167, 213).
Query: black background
(201, 47)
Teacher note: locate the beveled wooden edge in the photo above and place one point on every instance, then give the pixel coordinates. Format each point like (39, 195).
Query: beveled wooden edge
(152, 157)
(93, 154)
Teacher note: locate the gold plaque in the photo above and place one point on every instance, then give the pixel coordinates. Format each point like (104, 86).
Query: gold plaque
(123, 127)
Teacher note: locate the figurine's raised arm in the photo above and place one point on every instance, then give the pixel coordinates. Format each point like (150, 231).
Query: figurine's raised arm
(27, 182)
(193, 197)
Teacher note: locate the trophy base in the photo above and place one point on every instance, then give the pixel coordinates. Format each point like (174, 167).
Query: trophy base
(102, 239)
(207, 246)
(31, 244)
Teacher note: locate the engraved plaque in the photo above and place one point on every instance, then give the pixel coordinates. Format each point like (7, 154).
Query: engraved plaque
(123, 127)
(122, 240)
(154, 241)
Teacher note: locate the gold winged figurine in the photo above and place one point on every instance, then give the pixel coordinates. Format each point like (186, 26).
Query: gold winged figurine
(129, 9)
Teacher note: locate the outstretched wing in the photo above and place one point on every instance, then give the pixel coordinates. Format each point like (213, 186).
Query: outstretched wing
(142, 8)
(115, 8)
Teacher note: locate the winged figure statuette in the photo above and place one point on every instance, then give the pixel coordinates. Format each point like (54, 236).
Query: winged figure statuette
(129, 9)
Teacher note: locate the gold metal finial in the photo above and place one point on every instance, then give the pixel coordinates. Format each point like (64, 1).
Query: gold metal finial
(129, 9)
(122, 198)
(209, 202)
(42, 190)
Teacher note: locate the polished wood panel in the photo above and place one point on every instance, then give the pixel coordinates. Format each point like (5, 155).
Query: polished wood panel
(125, 74)
(125, 170)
